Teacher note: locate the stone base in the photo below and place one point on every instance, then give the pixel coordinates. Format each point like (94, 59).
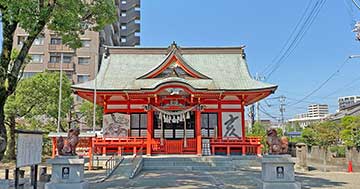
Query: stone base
(81, 185)
(281, 185)
(4, 184)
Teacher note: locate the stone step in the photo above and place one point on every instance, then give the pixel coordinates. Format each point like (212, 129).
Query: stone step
(176, 163)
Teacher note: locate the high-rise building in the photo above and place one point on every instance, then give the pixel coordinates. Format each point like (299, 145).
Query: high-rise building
(346, 101)
(125, 31)
(315, 113)
(318, 110)
(79, 65)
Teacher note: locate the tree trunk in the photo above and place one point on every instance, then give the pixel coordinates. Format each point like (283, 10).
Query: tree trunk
(7, 45)
(3, 135)
(10, 153)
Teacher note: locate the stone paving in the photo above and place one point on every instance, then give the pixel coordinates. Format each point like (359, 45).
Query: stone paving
(248, 178)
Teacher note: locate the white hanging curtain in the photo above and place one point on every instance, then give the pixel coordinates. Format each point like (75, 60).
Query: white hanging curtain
(171, 114)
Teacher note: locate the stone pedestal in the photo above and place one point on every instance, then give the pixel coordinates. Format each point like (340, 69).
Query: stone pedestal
(301, 155)
(278, 172)
(67, 172)
(4, 184)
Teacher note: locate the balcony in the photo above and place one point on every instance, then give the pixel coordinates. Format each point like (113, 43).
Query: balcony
(130, 16)
(60, 48)
(65, 66)
(129, 4)
(131, 28)
(131, 41)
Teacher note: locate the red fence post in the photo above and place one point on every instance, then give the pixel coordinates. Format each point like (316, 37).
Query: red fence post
(149, 131)
(198, 132)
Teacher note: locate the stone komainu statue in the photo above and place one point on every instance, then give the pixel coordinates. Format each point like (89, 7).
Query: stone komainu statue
(67, 147)
(276, 145)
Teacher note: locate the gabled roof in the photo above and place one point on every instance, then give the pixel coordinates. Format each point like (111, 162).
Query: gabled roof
(213, 68)
(174, 57)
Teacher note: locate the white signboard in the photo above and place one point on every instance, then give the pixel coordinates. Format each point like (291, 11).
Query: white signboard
(116, 125)
(29, 148)
(231, 124)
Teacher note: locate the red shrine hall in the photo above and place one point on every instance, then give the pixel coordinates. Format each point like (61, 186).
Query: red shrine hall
(174, 100)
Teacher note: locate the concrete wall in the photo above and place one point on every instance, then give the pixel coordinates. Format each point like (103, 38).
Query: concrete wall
(317, 154)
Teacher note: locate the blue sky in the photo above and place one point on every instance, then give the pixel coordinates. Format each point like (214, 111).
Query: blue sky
(264, 27)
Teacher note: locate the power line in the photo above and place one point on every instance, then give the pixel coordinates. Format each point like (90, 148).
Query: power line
(290, 37)
(301, 33)
(352, 82)
(356, 4)
(322, 84)
(261, 108)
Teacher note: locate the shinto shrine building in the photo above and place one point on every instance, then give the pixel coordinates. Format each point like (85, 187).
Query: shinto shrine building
(174, 100)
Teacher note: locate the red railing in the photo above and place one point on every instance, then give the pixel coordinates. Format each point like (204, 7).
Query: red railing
(249, 146)
(174, 146)
(102, 145)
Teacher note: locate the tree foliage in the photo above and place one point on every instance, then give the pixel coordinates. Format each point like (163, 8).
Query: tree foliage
(350, 134)
(35, 104)
(68, 18)
(39, 96)
(87, 112)
(331, 133)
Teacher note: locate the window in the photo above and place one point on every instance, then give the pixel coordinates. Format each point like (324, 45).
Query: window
(138, 124)
(85, 43)
(55, 41)
(69, 75)
(123, 2)
(21, 40)
(55, 58)
(82, 78)
(37, 58)
(39, 40)
(123, 26)
(83, 60)
(123, 13)
(28, 74)
(209, 122)
(67, 58)
(123, 39)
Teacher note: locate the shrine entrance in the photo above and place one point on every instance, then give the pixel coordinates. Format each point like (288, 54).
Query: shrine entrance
(175, 130)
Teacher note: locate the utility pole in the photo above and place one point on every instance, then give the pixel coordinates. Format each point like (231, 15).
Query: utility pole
(282, 99)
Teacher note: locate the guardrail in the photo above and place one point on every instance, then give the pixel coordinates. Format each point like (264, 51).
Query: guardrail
(137, 160)
(111, 164)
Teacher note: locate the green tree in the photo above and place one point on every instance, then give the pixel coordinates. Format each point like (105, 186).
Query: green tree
(291, 127)
(87, 112)
(350, 135)
(309, 137)
(68, 18)
(36, 100)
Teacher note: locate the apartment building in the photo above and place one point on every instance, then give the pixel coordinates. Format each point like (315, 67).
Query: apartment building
(318, 110)
(48, 51)
(315, 113)
(347, 101)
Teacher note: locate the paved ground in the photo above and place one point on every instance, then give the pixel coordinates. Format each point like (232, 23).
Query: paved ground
(230, 179)
(245, 178)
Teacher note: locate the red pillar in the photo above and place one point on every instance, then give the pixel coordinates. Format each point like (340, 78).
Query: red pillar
(198, 132)
(149, 131)
(243, 126)
(219, 120)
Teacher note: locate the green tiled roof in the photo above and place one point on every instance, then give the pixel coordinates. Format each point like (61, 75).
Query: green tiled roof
(226, 71)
